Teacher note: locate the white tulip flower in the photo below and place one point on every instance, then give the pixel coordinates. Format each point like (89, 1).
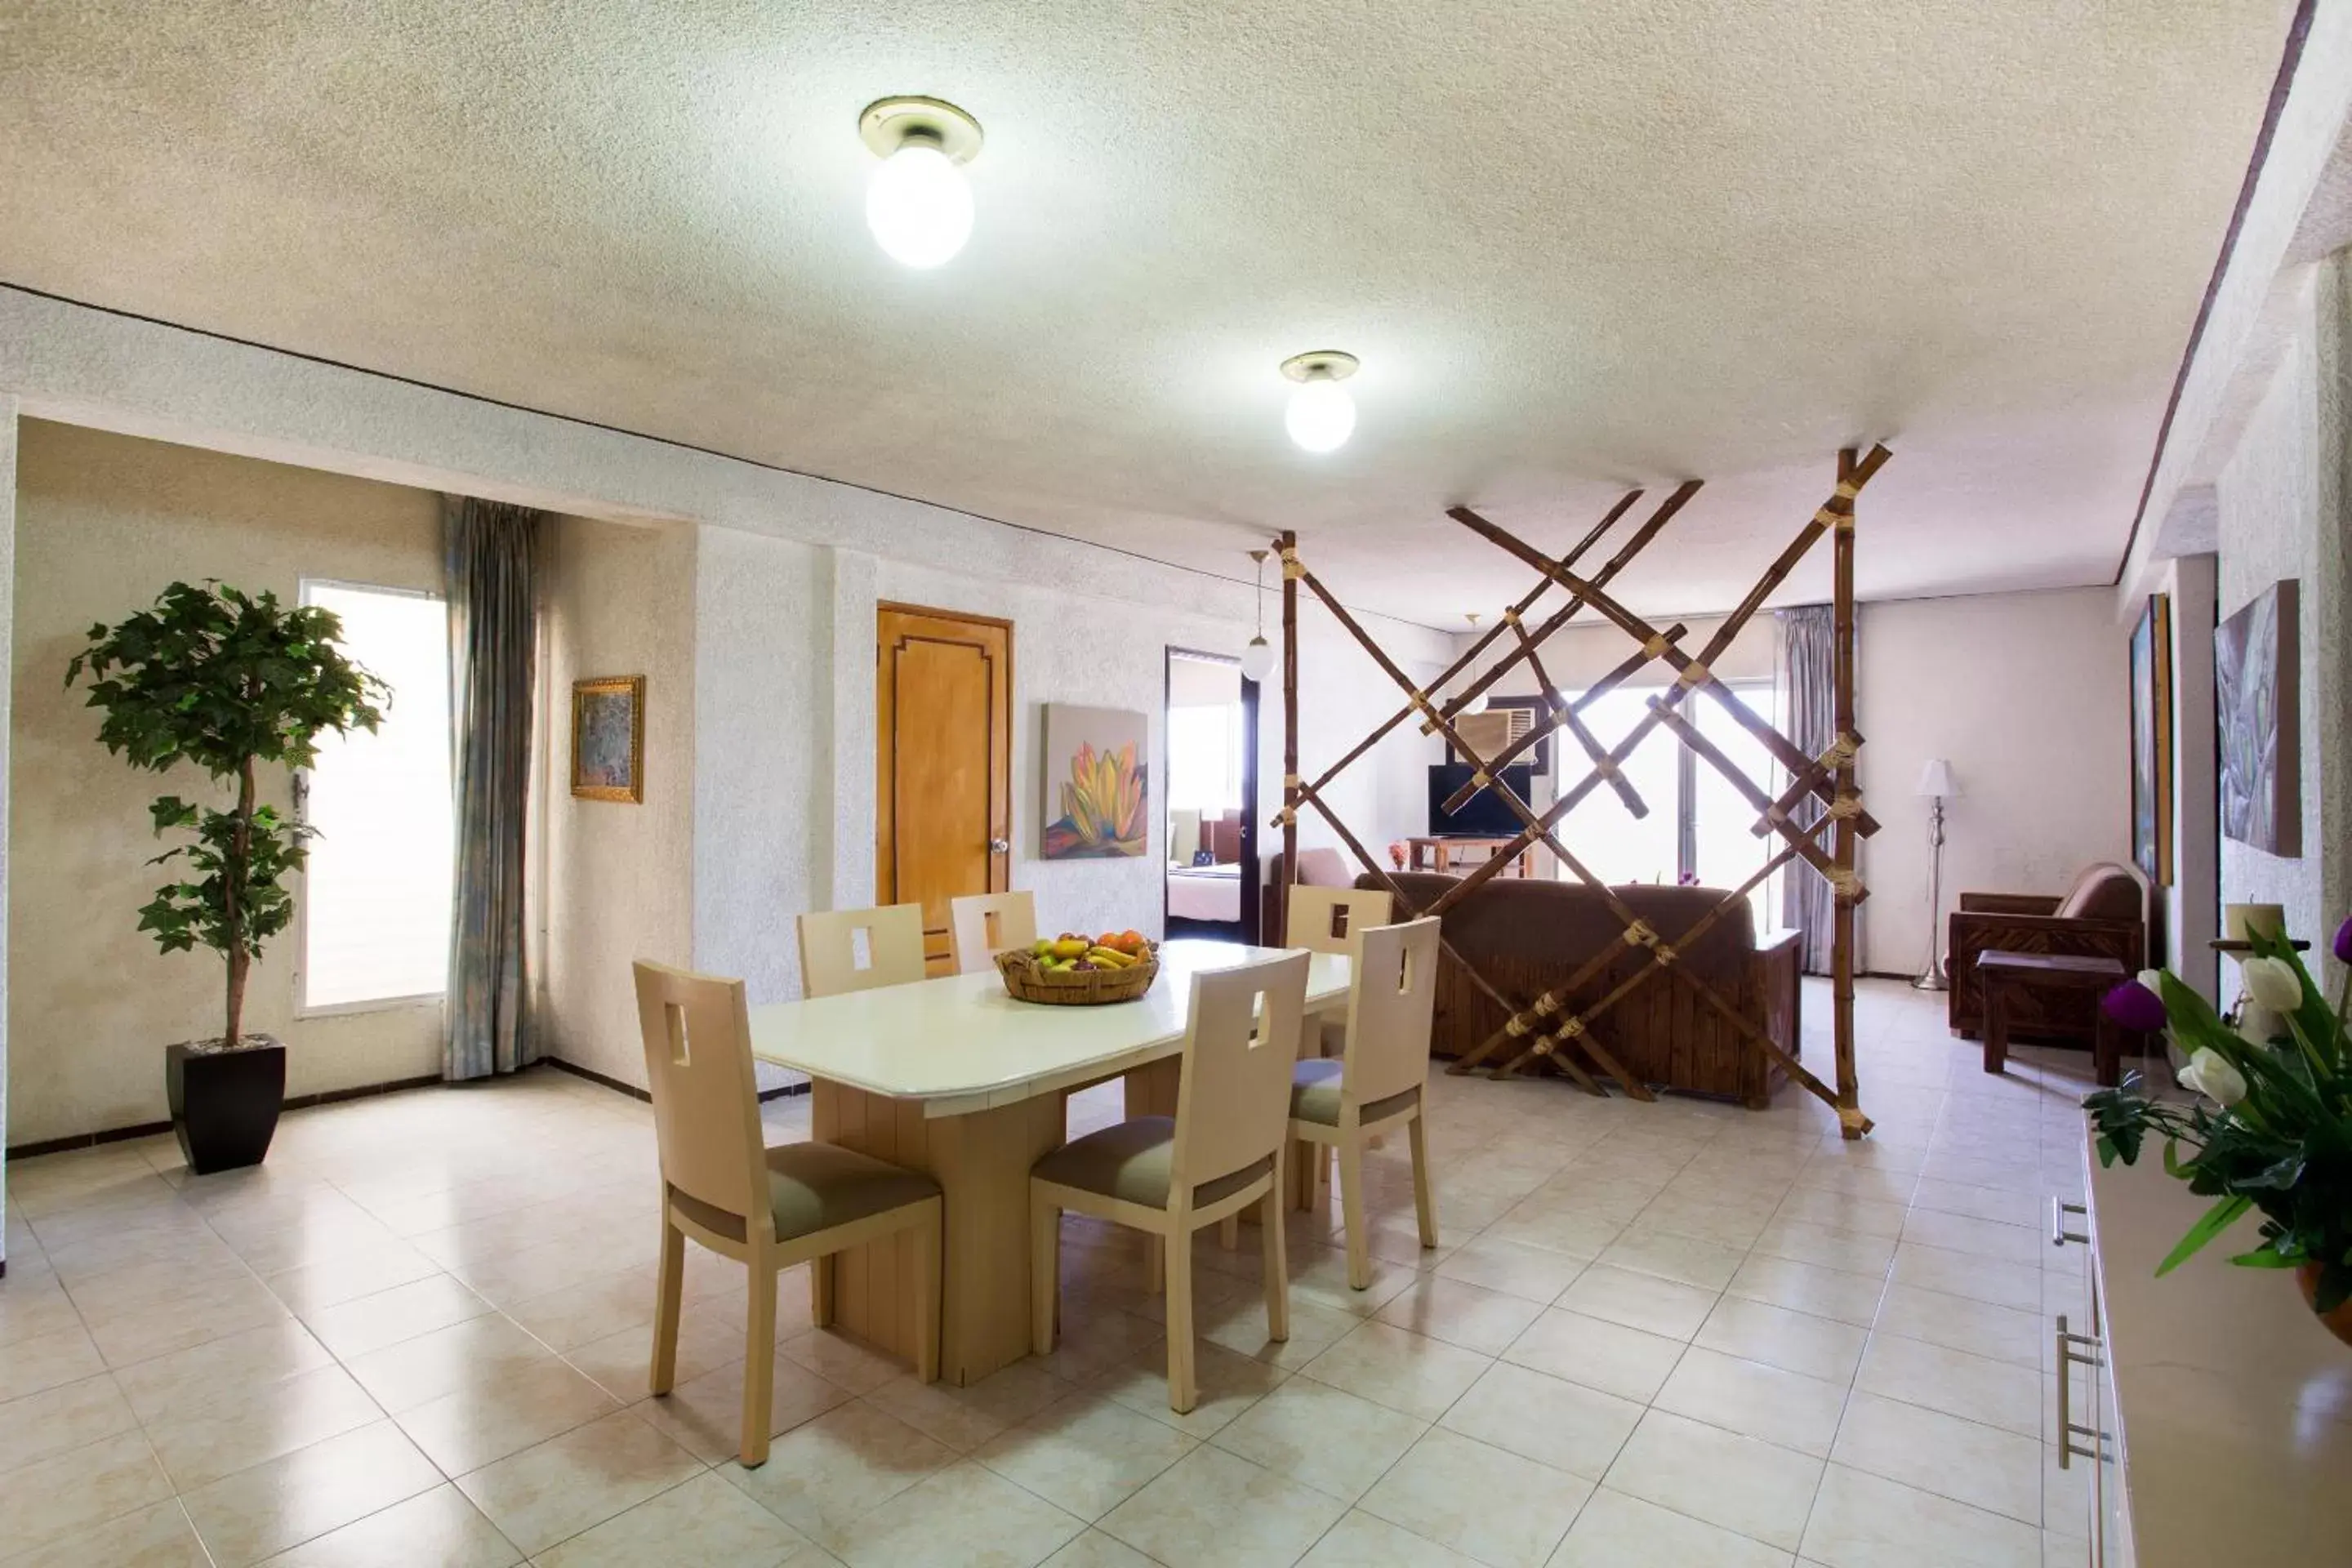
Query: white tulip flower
(2152, 980)
(2273, 983)
(2208, 1073)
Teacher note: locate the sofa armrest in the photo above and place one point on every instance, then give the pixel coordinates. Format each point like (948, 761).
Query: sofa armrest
(1972, 931)
(2009, 903)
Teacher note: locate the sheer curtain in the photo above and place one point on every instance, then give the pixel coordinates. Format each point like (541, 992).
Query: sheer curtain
(1808, 698)
(490, 563)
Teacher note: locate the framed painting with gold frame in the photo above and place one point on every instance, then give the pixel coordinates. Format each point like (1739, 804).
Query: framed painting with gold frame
(2151, 740)
(608, 738)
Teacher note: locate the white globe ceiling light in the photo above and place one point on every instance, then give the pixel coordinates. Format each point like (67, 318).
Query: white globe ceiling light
(1321, 416)
(918, 203)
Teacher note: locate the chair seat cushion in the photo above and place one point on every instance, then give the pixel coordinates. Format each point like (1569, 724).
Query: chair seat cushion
(1130, 1161)
(816, 1186)
(1315, 1088)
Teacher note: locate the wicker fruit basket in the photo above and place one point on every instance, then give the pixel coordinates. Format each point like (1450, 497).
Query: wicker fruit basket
(1028, 979)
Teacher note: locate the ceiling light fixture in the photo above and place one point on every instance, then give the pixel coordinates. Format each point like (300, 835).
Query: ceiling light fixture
(918, 203)
(1321, 416)
(1257, 660)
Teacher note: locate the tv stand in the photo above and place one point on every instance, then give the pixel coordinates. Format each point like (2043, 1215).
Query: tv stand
(1452, 855)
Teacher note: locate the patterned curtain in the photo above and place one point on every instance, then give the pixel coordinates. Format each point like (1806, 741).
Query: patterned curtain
(1809, 698)
(490, 560)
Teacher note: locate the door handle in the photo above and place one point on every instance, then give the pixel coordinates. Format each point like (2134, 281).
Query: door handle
(2069, 1358)
(1000, 846)
(2059, 1235)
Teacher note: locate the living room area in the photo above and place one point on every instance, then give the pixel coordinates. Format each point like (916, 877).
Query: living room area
(1708, 617)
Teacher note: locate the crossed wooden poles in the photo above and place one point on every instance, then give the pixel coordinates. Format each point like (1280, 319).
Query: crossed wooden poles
(1554, 1023)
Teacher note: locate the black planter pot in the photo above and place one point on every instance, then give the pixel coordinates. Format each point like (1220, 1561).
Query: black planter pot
(224, 1103)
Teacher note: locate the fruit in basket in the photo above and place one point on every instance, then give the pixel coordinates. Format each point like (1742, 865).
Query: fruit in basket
(1041, 948)
(1110, 958)
(1071, 947)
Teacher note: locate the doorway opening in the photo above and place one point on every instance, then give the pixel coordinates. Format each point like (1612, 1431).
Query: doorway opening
(1213, 880)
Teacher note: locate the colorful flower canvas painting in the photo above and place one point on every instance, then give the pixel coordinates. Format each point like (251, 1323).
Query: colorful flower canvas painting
(1096, 783)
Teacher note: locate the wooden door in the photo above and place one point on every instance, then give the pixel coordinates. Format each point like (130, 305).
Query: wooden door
(943, 806)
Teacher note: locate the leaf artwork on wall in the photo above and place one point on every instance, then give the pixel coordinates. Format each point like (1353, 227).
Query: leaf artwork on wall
(2256, 658)
(1095, 784)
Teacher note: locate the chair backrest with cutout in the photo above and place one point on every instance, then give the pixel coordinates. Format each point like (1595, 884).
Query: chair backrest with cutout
(981, 925)
(1392, 988)
(857, 950)
(1232, 1105)
(698, 1037)
(1330, 919)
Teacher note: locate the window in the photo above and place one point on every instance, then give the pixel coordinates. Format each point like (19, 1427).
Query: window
(376, 894)
(1204, 733)
(1699, 821)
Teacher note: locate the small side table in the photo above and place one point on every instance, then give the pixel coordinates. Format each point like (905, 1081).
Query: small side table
(2005, 975)
(1442, 854)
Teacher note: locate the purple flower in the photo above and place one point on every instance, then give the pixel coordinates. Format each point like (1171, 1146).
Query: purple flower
(2136, 1007)
(2344, 941)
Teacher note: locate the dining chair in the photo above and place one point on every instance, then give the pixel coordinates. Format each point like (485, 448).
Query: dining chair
(1330, 919)
(769, 1209)
(857, 950)
(981, 925)
(1376, 1082)
(1171, 1176)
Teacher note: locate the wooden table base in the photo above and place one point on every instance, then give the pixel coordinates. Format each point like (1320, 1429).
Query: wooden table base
(982, 1163)
(2001, 974)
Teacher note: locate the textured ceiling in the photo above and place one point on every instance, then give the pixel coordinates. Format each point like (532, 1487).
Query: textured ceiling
(1575, 245)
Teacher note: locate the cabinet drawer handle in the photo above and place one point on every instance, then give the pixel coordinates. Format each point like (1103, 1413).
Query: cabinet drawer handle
(2059, 1235)
(2069, 1357)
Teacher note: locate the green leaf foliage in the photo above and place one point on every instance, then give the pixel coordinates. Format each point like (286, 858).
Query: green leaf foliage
(2284, 1150)
(225, 681)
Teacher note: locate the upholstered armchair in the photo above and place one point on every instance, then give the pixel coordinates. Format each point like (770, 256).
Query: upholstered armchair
(2106, 913)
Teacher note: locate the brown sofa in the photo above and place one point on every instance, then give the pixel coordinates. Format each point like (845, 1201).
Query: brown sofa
(1529, 936)
(2106, 912)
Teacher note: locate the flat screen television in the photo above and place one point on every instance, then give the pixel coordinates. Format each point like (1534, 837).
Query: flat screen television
(1484, 815)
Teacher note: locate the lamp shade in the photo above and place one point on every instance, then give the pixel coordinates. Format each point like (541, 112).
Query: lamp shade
(1935, 779)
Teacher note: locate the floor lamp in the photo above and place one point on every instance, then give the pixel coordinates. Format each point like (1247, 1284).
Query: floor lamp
(1936, 785)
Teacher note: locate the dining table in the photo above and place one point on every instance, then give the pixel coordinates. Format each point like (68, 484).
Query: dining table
(955, 1078)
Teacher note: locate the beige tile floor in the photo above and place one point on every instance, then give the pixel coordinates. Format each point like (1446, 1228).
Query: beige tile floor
(1677, 1334)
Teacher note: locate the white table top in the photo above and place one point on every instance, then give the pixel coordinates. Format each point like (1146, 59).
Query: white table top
(959, 1044)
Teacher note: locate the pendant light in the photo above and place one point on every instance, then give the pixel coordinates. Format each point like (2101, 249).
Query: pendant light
(1476, 704)
(918, 203)
(1257, 660)
(1321, 416)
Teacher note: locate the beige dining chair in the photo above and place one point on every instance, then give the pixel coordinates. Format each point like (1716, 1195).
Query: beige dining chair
(767, 1208)
(981, 925)
(857, 950)
(1378, 1081)
(1171, 1176)
(1330, 919)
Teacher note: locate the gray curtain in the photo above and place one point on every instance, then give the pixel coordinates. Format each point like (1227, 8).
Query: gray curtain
(490, 563)
(1808, 699)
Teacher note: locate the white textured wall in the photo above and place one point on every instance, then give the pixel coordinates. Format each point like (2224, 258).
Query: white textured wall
(2025, 694)
(8, 429)
(103, 523)
(620, 875)
(2280, 498)
(2193, 903)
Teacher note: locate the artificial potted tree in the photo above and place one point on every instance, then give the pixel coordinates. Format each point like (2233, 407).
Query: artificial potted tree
(230, 682)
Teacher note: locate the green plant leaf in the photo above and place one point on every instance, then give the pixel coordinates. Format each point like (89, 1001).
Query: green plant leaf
(2216, 1220)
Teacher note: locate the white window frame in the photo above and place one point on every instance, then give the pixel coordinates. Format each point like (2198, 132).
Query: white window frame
(303, 1009)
